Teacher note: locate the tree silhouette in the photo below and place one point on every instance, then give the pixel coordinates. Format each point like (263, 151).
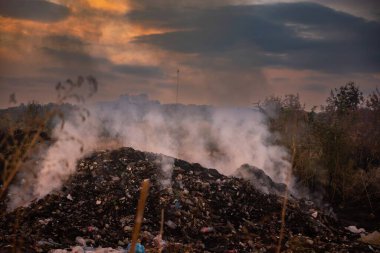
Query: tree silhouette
(345, 99)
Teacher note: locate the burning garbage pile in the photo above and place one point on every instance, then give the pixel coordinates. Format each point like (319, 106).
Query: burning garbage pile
(202, 211)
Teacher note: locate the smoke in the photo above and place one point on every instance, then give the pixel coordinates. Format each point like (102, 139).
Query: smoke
(75, 139)
(167, 165)
(221, 138)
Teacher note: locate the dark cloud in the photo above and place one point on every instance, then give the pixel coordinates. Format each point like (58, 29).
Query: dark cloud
(37, 10)
(70, 57)
(291, 35)
(145, 71)
(64, 41)
(81, 61)
(73, 55)
(70, 50)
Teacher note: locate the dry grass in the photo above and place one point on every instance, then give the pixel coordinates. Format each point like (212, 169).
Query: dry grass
(285, 200)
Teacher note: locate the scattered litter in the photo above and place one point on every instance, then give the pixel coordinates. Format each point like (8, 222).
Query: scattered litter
(92, 229)
(79, 240)
(207, 229)
(171, 224)
(159, 243)
(355, 230)
(138, 248)
(45, 221)
(128, 229)
(372, 238)
(204, 211)
(115, 179)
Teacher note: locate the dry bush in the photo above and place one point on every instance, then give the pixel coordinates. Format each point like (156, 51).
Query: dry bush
(25, 128)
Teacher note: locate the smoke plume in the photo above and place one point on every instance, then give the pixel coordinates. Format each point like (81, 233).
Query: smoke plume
(221, 138)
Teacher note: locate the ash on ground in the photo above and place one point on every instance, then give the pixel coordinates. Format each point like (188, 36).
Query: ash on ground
(204, 212)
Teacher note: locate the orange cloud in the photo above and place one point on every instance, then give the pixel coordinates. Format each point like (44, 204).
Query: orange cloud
(114, 6)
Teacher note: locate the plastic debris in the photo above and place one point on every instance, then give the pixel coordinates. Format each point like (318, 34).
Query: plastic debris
(171, 224)
(207, 229)
(355, 230)
(128, 228)
(138, 249)
(159, 243)
(372, 238)
(79, 240)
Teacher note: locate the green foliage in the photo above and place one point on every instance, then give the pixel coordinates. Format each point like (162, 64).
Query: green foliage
(346, 98)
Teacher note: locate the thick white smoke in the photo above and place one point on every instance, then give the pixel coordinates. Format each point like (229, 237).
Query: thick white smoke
(221, 138)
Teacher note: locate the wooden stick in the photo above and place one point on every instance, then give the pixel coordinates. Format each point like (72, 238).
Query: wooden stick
(161, 231)
(162, 223)
(139, 214)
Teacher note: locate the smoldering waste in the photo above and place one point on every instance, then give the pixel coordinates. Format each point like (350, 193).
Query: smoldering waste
(204, 212)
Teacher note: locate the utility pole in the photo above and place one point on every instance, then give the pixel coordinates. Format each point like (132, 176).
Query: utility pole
(176, 113)
(176, 98)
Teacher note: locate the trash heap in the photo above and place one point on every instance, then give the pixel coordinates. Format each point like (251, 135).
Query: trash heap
(204, 211)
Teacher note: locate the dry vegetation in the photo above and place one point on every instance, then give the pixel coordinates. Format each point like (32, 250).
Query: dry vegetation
(23, 128)
(335, 150)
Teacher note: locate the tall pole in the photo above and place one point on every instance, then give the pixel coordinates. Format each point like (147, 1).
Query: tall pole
(176, 114)
(176, 98)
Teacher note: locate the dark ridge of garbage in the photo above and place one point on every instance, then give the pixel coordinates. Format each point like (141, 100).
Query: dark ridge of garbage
(204, 212)
(259, 179)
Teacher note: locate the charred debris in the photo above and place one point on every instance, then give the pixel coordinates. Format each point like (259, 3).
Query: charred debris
(204, 211)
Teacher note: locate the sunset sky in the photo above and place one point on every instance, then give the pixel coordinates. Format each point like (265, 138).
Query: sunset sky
(228, 52)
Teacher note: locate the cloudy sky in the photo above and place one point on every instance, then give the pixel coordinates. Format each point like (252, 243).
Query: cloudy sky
(229, 52)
